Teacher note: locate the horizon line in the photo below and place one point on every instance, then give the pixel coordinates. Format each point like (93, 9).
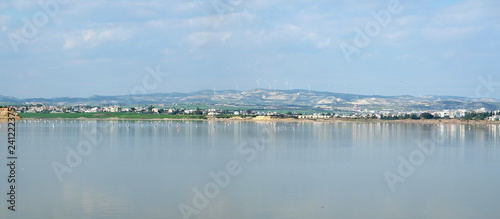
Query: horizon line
(252, 90)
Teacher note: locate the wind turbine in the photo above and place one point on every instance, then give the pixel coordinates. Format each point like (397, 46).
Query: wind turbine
(258, 83)
(275, 84)
(286, 85)
(214, 92)
(309, 86)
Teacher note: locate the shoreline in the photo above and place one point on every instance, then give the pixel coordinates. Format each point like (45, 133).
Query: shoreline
(268, 119)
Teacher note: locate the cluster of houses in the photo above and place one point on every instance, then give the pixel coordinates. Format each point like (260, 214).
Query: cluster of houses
(451, 114)
(40, 108)
(355, 113)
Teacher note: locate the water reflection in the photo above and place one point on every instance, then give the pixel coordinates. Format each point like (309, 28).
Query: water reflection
(145, 169)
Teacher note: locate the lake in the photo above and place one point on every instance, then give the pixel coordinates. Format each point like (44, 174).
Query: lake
(208, 169)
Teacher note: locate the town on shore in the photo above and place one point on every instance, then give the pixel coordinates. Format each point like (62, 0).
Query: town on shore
(39, 110)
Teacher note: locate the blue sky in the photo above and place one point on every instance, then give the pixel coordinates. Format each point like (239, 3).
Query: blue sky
(102, 47)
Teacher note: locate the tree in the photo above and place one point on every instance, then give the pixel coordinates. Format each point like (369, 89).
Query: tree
(426, 116)
(198, 111)
(414, 116)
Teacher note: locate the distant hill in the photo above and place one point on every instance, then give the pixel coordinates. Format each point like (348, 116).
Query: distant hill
(6, 100)
(275, 99)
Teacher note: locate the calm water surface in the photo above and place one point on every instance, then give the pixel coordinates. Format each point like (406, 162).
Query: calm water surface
(133, 169)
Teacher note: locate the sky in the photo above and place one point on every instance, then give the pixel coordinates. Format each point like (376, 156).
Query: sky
(72, 48)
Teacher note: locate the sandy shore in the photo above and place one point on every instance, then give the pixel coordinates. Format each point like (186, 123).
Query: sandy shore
(406, 121)
(333, 120)
(269, 119)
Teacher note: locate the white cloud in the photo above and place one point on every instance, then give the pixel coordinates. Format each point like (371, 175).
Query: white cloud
(228, 20)
(448, 54)
(88, 34)
(202, 22)
(184, 6)
(323, 44)
(466, 12)
(289, 29)
(168, 51)
(262, 29)
(3, 5)
(4, 20)
(24, 4)
(160, 23)
(408, 20)
(450, 33)
(394, 35)
(288, 34)
(92, 37)
(205, 38)
(371, 55)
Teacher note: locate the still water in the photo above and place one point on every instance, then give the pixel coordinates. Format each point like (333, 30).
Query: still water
(138, 169)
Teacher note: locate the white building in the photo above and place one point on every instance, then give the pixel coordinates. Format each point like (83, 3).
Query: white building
(455, 114)
(114, 109)
(93, 110)
(495, 118)
(189, 111)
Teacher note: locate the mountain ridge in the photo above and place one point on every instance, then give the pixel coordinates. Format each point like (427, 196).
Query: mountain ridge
(273, 99)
